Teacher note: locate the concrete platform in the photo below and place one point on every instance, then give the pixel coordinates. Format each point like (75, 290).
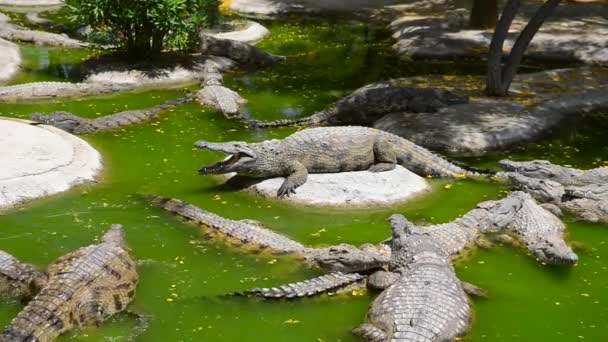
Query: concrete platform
(348, 189)
(41, 160)
(10, 59)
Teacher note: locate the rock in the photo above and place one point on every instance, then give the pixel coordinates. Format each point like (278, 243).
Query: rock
(565, 37)
(553, 209)
(269, 8)
(253, 33)
(357, 189)
(171, 70)
(41, 160)
(487, 124)
(10, 59)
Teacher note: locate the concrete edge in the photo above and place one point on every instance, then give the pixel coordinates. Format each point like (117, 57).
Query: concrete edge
(252, 34)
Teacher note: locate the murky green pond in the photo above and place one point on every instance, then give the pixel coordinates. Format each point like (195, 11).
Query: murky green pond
(184, 276)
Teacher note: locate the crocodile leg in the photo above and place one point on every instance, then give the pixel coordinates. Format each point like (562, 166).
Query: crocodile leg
(385, 156)
(371, 333)
(297, 177)
(329, 283)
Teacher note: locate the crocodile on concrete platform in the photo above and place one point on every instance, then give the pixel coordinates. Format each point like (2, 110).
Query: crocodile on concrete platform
(368, 104)
(18, 280)
(84, 288)
(40, 90)
(77, 125)
(243, 53)
(582, 192)
(328, 150)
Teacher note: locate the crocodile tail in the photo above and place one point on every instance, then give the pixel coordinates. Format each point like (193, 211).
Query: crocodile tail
(176, 102)
(323, 117)
(327, 284)
(472, 169)
(371, 333)
(280, 123)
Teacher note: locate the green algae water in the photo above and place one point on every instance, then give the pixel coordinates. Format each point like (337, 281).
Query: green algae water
(184, 275)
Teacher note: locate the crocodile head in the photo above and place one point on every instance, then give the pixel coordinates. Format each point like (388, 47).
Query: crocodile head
(64, 120)
(541, 231)
(241, 158)
(348, 258)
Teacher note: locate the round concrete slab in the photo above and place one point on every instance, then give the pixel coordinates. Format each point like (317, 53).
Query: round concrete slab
(346, 189)
(41, 160)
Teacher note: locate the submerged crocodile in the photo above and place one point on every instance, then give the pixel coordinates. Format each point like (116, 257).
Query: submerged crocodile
(582, 192)
(84, 288)
(18, 280)
(77, 125)
(368, 104)
(423, 299)
(328, 150)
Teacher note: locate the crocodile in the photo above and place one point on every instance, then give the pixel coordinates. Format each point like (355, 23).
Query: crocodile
(19, 280)
(84, 288)
(340, 258)
(328, 150)
(77, 125)
(21, 34)
(582, 192)
(241, 52)
(427, 301)
(368, 104)
(349, 266)
(40, 90)
(422, 299)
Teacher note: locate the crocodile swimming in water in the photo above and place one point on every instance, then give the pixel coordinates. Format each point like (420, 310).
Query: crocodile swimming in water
(368, 104)
(328, 150)
(84, 288)
(582, 192)
(77, 125)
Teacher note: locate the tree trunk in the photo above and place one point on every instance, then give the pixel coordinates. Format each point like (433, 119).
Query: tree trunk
(494, 81)
(523, 41)
(484, 14)
(499, 77)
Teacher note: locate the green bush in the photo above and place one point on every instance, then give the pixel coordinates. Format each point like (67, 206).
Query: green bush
(144, 27)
